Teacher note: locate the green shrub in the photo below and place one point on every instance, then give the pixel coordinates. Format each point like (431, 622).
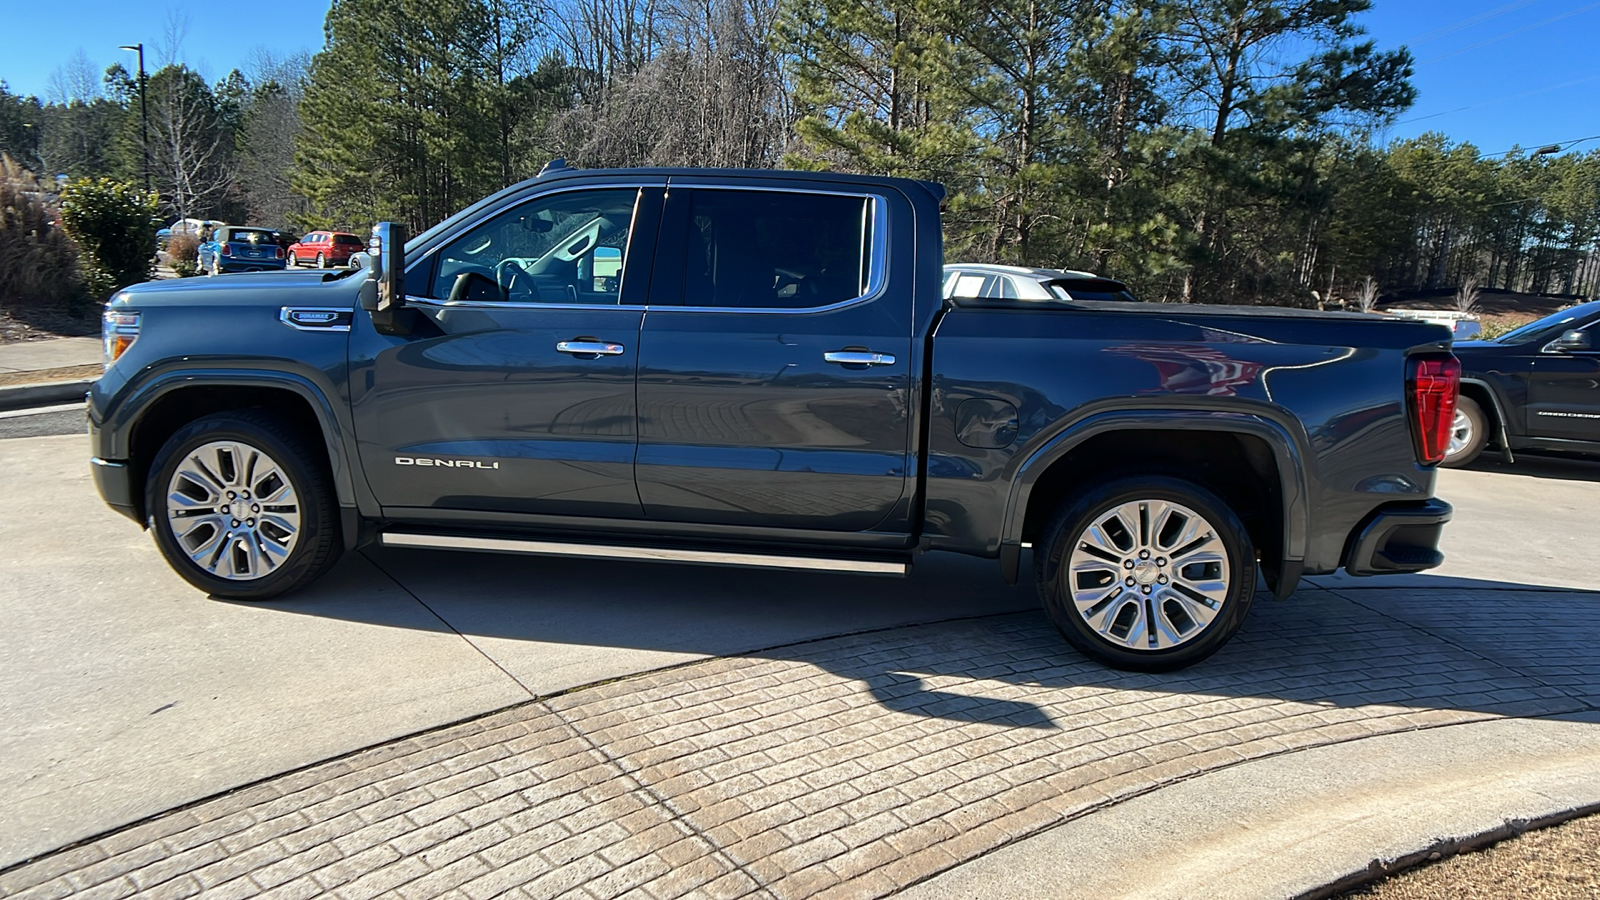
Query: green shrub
(183, 252)
(38, 262)
(115, 225)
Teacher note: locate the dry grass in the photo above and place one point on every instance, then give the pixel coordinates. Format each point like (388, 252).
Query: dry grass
(1561, 863)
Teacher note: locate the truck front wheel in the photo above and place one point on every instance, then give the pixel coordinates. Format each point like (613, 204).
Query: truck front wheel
(1146, 573)
(242, 506)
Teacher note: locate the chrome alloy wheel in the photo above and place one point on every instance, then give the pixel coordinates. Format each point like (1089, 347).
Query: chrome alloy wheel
(233, 511)
(1149, 574)
(1460, 432)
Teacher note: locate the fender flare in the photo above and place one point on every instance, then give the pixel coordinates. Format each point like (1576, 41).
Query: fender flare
(1287, 453)
(334, 428)
(1499, 414)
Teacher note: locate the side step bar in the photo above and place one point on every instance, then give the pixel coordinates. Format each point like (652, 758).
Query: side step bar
(644, 554)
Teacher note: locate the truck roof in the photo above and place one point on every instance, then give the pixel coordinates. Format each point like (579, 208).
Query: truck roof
(558, 168)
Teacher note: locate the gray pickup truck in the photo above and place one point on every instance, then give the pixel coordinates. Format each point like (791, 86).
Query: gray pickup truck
(760, 368)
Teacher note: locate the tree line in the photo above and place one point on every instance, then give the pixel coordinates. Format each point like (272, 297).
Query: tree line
(1206, 150)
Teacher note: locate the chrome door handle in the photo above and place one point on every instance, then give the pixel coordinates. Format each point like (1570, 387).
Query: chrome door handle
(859, 358)
(596, 348)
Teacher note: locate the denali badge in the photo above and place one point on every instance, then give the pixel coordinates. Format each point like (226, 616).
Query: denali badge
(447, 463)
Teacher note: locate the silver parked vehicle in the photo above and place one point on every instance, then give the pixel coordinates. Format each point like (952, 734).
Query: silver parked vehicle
(982, 281)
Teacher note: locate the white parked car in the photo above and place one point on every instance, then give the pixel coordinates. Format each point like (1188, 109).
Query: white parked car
(982, 281)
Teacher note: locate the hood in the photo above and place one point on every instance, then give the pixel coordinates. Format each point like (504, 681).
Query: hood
(312, 287)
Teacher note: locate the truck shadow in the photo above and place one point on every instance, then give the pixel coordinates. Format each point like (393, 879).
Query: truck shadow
(1535, 465)
(952, 642)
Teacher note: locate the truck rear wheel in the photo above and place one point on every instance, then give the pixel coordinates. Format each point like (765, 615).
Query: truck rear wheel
(242, 507)
(1146, 573)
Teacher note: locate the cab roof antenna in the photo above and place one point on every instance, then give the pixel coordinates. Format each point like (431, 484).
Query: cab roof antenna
(554, 165)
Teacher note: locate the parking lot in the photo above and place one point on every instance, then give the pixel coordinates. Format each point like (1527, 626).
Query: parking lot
(792, 733)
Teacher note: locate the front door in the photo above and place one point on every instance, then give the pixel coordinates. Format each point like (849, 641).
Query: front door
(515, 392)
(775, 369)
(1564, 392)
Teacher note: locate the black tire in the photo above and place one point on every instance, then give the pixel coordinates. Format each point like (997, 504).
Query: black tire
(1476, 425)
(317, 544)
(322, 261)
(1052, 568)
(288, 260)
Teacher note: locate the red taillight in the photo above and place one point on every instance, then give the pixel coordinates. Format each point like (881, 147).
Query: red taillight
(280, 253)
(225, 251)
(1432, 383)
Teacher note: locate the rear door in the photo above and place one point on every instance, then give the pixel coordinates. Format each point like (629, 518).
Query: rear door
(775, 360)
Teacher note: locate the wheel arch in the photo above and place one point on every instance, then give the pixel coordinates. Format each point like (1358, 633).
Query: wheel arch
(162, 407)
(1488, 400)
(1252, 462)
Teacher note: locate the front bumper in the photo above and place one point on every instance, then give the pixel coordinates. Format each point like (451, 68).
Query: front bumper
(1398, 538)
(115, 484)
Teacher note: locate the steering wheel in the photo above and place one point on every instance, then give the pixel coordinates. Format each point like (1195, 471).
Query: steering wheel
(514, 280)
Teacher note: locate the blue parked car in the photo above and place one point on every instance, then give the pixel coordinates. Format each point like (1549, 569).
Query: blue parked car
(235, 248)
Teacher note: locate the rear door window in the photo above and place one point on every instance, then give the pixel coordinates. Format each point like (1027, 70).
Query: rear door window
(754, 249)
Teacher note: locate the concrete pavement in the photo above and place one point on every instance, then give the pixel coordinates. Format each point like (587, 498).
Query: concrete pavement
(864, 765)
(126, 692)
(856, 765)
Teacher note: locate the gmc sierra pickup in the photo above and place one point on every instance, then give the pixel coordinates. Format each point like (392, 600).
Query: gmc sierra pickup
(761, 368)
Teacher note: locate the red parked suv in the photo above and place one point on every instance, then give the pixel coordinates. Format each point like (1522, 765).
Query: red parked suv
(325, 248)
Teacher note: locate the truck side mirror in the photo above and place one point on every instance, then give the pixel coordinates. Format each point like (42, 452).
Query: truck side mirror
(385, 290)
(1571, 340)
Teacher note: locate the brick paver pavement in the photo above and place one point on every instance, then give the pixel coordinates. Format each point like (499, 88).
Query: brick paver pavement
(845, 767)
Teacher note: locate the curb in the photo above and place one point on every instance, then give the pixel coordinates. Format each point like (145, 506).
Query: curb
(22, 396)
(1308, 824)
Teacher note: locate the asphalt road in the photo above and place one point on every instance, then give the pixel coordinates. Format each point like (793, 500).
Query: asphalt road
(125, 692)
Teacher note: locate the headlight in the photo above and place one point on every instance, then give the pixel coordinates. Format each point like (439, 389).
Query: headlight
(119, 329)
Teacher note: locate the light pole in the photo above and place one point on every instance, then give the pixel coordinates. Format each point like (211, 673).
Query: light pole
(144, 112)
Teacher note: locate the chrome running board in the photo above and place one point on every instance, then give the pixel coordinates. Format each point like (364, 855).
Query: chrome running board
(644, 554)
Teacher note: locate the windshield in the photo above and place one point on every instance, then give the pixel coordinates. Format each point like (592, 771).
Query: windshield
(1550, 326)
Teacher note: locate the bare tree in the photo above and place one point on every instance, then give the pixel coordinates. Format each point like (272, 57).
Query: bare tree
(173, 32)
(694, 82)
(266, 142)
(1467, 295)
(76, 80)
(190, 148)
(1367, 295)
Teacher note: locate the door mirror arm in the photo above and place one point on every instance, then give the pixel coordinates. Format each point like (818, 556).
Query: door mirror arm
(384, 292)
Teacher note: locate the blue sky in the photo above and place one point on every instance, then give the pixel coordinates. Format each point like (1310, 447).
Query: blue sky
(1498, 73)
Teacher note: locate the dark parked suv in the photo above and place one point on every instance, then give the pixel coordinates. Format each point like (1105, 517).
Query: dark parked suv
(760, 369)
(1535, 388)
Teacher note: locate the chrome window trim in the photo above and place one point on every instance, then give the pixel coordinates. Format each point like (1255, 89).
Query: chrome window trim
(878, 259)
(509, 304)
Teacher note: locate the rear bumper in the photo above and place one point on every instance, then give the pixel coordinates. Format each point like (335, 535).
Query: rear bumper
(1398, 538)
